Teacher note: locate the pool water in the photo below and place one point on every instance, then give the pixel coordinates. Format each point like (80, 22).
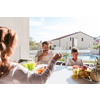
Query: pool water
(87, 57)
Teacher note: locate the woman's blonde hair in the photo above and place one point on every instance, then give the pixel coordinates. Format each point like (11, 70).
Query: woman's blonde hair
(7, 38)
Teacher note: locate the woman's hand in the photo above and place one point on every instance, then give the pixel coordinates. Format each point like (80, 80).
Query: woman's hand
(58, 56)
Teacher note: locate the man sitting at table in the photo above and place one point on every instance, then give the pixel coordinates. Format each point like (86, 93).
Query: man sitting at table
(74, 60)
(44, 56)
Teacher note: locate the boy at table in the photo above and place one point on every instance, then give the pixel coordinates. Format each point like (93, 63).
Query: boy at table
(74, 60)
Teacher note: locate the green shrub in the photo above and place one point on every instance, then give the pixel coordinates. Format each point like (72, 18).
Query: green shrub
(65, 55)
(96, 47)
(50, 47)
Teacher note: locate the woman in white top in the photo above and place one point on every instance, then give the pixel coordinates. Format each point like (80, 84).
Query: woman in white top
(11, 72)
(74, 60)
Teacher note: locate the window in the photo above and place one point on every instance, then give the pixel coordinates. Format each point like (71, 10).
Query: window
(70, 38)
(82, 39)
(70, 48)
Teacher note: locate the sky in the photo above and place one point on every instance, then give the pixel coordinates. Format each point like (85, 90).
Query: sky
(48, 28)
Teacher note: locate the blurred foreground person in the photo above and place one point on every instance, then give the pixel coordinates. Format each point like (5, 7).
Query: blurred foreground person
(14, 73)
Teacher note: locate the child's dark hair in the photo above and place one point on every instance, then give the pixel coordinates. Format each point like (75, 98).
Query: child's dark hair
(74, 50)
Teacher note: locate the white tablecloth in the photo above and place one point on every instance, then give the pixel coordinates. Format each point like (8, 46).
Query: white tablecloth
(62, 75)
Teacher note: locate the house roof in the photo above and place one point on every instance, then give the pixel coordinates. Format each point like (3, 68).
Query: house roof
(70, 35)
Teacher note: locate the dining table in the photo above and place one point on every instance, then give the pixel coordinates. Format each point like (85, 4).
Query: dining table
(62, 75)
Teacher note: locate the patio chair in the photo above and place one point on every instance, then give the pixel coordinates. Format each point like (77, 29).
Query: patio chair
(60, 63)
(24, 60)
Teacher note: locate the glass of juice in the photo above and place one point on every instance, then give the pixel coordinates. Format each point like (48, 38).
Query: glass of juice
(24, 65)
(31, 65)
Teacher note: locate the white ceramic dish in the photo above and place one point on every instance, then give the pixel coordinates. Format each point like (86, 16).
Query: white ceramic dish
(89, 80)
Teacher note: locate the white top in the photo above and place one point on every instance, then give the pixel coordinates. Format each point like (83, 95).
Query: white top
(21, 75)
(70, 62)
(45, 59)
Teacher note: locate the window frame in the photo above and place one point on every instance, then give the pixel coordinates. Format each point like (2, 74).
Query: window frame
(70, 39)
(82, 39)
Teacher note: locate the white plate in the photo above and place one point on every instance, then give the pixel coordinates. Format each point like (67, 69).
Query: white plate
(89, 80)
(39, 66)
(69, 67)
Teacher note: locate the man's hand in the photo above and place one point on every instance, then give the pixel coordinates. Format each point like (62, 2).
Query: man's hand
(58, 56)
(45, 53)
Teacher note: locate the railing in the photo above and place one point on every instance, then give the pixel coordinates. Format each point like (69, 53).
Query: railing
(81, 52)
(33, 52)
(95, 52)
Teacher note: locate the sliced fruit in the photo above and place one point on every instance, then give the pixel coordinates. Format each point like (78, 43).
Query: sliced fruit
(88, 71)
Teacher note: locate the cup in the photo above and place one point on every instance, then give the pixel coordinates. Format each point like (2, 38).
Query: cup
(31, 66)
(24, 65)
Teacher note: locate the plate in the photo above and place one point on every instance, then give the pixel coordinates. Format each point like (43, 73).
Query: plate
(89, 80)
(69, 67)
(39, 66)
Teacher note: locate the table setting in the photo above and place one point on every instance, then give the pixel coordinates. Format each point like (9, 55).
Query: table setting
(67, 74)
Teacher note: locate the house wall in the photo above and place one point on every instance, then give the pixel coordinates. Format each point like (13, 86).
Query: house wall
(21, 26)
(55, 42)
(85, 43)
(65, 43)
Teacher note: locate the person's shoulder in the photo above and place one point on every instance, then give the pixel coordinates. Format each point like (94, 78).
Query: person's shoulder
(13, 63)
(40, 50)
(69, 59)
(79, 59)
(16, 65)
(50, 51)
(19, 67)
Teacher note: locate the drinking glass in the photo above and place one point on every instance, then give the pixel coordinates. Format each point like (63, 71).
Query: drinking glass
(24, 65)
(31, 66)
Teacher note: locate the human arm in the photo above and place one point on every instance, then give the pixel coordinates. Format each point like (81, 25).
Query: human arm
(22, 75)
(40, 55)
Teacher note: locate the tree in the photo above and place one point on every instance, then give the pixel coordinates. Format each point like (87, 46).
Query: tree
(50, 47)
(65, 55)
(96, 46)
(31, 43)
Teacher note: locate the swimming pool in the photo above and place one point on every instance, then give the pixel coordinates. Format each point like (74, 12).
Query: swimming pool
(87, 57)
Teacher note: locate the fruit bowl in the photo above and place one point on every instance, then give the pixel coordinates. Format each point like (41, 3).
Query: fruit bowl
(89, 80)
(84, 74)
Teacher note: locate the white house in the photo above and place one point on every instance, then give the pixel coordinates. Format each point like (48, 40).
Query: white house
(77, 39)
(21, 26)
